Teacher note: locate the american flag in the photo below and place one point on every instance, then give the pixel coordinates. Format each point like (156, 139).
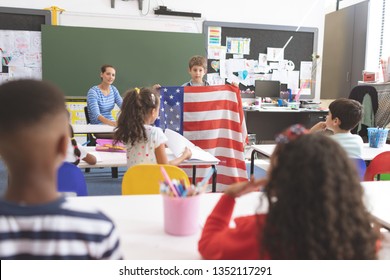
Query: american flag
(212, 118)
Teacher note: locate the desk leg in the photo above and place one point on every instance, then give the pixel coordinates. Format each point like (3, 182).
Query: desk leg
(253, 162)
(114, 172)
(194, 175)
(214, 183)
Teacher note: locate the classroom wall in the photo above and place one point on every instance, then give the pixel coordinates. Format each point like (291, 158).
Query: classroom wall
(125, 15)
(373, 33)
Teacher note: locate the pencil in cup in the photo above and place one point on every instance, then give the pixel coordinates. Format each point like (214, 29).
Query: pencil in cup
(181, 206)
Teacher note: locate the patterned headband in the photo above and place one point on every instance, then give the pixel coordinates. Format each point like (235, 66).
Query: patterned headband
(291, 133)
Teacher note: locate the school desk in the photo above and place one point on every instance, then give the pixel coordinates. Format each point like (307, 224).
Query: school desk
(269, 121)
(267, 149)
(139, 219)
(92, 128)
(115, 159)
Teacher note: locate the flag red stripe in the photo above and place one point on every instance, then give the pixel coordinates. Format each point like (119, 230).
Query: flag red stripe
(210, 105)
(208, 125)
(211, 89)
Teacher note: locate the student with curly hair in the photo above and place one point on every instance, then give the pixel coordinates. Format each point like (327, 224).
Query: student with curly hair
(315, 207)
(145, 143)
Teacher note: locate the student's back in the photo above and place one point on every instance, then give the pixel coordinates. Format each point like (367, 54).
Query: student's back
(35, 221)
(56, 230)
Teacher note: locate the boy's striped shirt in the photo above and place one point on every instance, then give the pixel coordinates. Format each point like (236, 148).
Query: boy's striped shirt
(57, 230)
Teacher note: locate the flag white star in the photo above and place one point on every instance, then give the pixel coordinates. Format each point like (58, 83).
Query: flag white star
(165, 102)
(177, 117)
(162, 109)
(177, 129)
(171, 96)
(178, 103)
(165, 89)
(178, 90)
(171, 122)
(171, 109)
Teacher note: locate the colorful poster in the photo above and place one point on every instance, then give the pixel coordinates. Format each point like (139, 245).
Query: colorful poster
(214, 36)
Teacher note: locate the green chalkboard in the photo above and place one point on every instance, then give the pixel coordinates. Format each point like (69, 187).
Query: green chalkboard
(72, 56)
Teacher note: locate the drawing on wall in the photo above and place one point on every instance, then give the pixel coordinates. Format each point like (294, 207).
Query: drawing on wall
(214, 38)
(238, 45)
(21, 55)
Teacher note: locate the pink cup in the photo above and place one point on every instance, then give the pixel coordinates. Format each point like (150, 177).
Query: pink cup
(181, 214)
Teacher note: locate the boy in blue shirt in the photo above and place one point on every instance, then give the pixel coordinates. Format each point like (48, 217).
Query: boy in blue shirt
(197, 68)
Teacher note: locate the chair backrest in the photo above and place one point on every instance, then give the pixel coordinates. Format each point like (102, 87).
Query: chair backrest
(358, 93)
(146, 178)
(379, 165)
(361, 167)
(70, 179)
(86, 115)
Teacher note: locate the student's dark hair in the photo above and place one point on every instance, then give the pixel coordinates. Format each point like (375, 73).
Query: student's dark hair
(25, 102)
(136, 107)
(198, 60)
(315, 204)
(348, 111)
(104, 67)
(76, 149)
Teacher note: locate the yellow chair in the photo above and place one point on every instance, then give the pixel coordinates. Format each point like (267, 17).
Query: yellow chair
(146, 178)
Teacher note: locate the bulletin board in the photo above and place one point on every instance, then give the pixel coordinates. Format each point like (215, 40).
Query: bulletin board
(243, 43)
(20, 42)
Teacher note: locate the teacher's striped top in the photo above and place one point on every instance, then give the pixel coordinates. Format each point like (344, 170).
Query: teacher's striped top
(99, 104)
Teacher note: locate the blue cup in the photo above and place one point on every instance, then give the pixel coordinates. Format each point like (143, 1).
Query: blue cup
(280, 102)
(377, 136)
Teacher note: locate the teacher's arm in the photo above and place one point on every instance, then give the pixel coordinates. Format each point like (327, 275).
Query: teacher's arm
(118, 97)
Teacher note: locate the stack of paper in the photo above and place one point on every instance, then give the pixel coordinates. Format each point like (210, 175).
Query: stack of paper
(177, 144)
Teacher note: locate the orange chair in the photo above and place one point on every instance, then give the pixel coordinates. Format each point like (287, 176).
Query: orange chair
(379, 165)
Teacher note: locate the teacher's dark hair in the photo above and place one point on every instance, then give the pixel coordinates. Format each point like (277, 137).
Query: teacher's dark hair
(105, 66)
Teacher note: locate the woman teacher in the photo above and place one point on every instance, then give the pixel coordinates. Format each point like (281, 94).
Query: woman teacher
(102, 98)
